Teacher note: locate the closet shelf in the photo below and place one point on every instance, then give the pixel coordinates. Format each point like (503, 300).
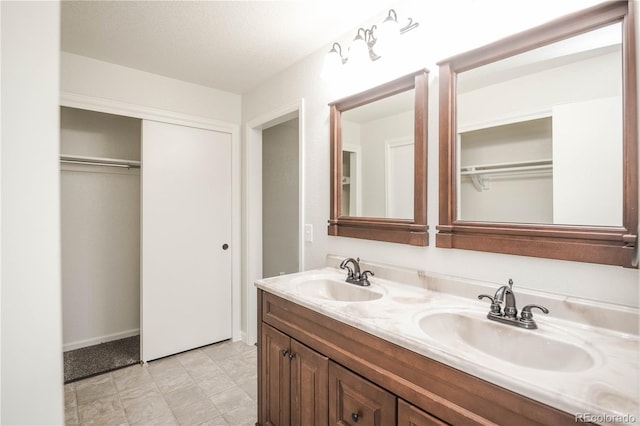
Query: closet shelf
(479, 173)
(100, 161)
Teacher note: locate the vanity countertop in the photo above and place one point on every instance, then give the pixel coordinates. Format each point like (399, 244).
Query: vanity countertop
(607, 392)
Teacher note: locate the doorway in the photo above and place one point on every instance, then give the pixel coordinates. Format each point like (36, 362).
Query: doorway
(280, 199)
(262, 229)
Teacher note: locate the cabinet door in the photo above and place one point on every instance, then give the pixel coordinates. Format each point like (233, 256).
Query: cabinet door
(275, 377)
(309, 386)
(356, 401)
(408, 415)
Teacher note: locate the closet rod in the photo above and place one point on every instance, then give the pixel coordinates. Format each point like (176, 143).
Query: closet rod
(96, 161)
(93, 163)
(505, 169)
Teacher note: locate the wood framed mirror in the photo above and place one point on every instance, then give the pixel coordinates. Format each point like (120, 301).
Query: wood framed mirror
(379, 162)
(546, 117)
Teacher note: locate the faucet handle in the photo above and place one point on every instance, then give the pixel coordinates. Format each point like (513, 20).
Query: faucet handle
(365, 273)
(495, 306)
(364, 277)
(526, 317)
(526, 311)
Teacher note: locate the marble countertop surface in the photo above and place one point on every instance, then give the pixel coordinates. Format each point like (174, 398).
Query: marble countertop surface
(602, 388)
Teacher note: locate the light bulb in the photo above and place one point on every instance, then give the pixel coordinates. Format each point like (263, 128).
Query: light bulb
(388, 37)
(332, 65)
(358, 52)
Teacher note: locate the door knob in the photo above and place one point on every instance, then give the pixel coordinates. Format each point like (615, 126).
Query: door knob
(225, 246)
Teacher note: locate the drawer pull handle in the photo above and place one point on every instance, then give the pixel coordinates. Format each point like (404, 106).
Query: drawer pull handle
(284, 352)
(355, 417)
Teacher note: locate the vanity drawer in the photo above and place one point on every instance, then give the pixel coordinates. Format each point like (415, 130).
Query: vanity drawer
(409, 415)
(356, 401)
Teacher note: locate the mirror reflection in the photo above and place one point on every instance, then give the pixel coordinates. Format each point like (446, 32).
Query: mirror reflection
(540, 135)
(378, 158)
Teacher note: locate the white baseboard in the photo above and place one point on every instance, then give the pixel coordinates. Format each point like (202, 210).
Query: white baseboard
(245, 338)
(100, 339)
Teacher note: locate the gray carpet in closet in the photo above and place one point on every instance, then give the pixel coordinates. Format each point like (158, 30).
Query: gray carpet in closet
(92, 360)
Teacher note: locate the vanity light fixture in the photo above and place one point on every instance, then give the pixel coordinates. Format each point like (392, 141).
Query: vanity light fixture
(385, 40)
(362, 44)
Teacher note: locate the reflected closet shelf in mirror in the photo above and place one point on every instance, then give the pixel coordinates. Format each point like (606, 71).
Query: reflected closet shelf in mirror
(558, 102)
(479, 172)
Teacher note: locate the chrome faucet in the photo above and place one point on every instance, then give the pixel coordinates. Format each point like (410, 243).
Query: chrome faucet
(505, 294)
(354, 276)
(510, 314)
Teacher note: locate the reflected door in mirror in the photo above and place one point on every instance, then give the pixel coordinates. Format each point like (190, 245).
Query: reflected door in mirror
(378, 157)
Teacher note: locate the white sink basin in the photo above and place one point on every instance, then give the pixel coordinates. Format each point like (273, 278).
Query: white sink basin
(539, 349)
(329, 288)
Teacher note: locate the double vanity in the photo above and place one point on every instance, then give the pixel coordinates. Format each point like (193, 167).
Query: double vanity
(418, 348)
(537, 157)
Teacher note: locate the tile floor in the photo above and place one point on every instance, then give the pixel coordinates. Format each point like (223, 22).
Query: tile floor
(213, 385)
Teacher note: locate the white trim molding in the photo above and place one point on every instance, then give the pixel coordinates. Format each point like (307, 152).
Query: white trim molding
(100, 339)
(109, 106)
(252, 210)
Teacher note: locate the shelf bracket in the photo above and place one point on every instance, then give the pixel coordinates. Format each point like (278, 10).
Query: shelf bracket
(480, 182)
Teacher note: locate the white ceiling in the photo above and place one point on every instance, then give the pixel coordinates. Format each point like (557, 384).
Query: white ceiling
(228, 45)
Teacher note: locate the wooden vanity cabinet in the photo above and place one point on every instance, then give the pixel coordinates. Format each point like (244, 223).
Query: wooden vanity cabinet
(295, 383)
(337, 370)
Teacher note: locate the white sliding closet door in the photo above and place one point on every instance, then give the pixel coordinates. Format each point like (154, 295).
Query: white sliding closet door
(186, 223)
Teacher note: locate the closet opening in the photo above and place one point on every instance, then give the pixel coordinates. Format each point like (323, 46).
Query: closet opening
(100, 238)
